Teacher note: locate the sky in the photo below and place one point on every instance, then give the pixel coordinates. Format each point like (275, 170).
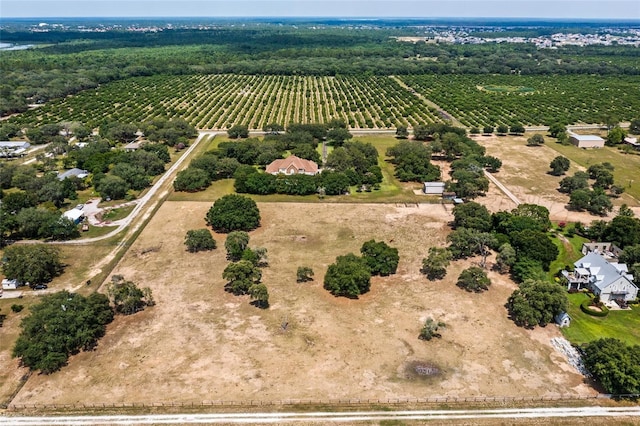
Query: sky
(555, 9)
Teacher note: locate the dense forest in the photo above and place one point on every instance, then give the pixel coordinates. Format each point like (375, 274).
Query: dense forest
(67, 62)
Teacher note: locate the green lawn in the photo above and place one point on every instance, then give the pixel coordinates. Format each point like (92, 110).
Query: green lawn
(117, 213)
(569, 253)
(627, 166)
(96, 231)
(623, 325)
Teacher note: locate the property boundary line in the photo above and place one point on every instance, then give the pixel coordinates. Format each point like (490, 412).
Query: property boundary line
(320, 402)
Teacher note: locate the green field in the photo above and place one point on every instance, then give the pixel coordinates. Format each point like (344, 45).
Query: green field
(627, 166)
(219, 101)
(623, 325)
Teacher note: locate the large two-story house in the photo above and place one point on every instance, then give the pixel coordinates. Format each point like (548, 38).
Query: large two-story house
(609, 280)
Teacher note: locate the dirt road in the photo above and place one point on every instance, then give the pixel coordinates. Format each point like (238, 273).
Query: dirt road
(333, 417)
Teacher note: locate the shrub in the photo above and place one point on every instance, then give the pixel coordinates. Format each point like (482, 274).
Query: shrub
(199, 240)
(473, 279)
(430, 329)
(17, 308)
(304, 274)
(586, 308)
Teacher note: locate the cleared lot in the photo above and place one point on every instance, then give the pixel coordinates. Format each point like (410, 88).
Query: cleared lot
(201, 343)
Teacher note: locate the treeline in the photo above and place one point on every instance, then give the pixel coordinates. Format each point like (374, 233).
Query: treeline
(79, 61)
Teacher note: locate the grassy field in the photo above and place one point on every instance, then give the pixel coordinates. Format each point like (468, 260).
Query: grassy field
(525, 172)
(627, 166)
(117, 213)
(211, 345)
(623, 325)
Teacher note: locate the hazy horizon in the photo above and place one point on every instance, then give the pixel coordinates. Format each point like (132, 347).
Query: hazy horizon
(578, 10)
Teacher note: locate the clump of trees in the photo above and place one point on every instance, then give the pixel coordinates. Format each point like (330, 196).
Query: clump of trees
(127, 298)
(622, 230)
(34, 264)
(243, 274)
(536, 302)
(474, 279)
(238, 131)
(435, 265)
(614, 364)
(520, 235)
(349, 276)
(233, 213)
(535, 140)
(595, 201)
(60, 325)
(412, 162)
(199, 240)
(191, 179)
(380, 257)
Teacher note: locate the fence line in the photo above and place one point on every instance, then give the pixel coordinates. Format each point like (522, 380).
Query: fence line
(334, 402)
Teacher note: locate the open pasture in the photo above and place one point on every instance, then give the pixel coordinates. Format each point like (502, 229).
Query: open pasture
(201, 343)
(481, 100)
(525, 173)
(627, 166)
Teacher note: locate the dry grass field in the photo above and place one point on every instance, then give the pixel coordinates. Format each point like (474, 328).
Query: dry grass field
(524, 172)
(201, 343)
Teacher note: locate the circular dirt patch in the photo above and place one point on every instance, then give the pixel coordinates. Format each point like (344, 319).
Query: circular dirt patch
(421, 370)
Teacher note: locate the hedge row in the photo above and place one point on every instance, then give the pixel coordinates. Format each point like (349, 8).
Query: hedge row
(585, 307)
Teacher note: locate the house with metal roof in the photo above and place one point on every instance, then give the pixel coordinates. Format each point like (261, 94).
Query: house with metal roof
(13, 148)
(74, 215)
(79, 173)
(610, 281)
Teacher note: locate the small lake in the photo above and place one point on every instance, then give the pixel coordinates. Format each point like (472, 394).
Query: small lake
(9, 46)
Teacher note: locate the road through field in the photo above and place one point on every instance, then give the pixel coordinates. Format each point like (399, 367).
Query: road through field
(331, 417)
(502, 188)
(454, 120)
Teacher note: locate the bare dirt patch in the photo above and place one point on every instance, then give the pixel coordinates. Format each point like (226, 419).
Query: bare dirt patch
(201, 343)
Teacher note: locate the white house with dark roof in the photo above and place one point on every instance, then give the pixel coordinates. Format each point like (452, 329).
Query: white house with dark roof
(609, 280)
